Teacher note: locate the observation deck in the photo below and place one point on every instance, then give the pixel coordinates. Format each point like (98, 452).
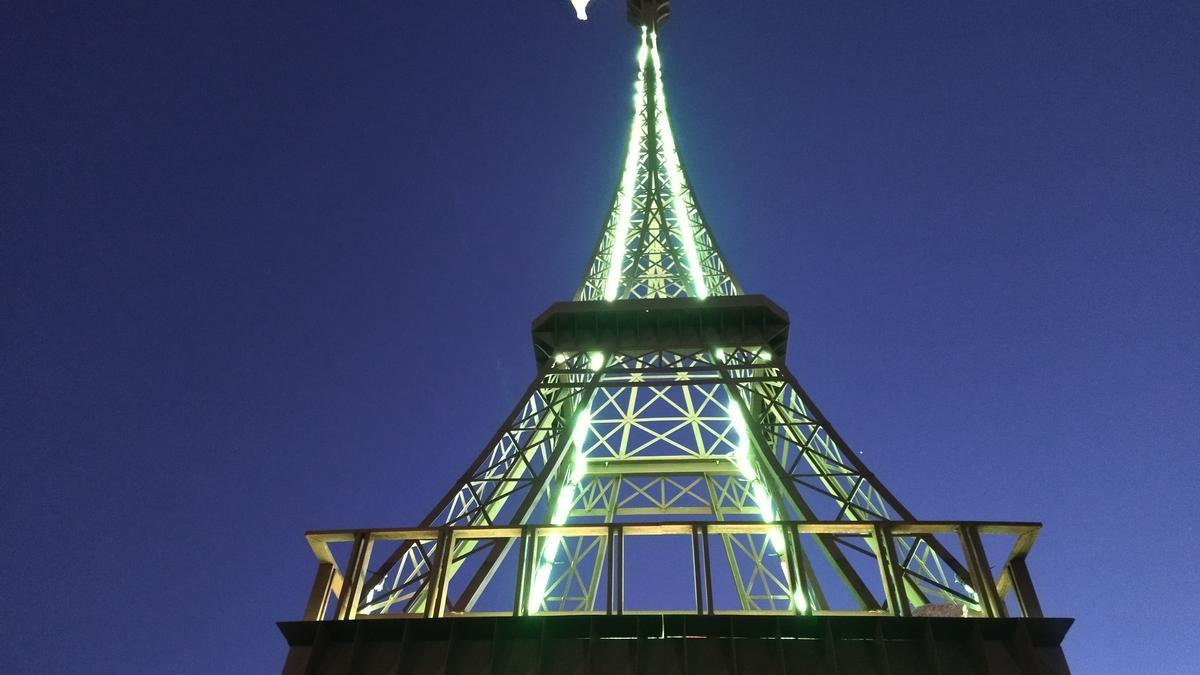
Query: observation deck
(660, 323)
(348, 629)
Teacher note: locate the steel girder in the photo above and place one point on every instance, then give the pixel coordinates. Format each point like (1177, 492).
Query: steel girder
(635, 434)
(653, 402)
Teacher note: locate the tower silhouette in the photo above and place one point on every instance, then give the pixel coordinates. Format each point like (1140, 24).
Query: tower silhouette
(664, 444)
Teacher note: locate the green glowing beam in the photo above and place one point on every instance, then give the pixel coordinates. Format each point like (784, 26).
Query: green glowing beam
(575, 473)
(758, 490)
(675, 180)
(629, 178)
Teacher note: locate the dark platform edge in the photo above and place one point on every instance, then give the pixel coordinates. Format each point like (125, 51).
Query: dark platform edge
(1043, 632)
(660, 322)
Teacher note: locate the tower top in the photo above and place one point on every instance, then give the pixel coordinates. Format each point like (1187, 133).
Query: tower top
(649, 13)
(656, 242)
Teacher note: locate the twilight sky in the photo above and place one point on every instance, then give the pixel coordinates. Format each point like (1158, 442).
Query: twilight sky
(268, 268)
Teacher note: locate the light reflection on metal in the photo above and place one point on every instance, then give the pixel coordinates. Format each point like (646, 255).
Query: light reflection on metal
(562, 505)
(596, 361)
(683, 220)
(630, 418)
(655, 242)
(629, 177)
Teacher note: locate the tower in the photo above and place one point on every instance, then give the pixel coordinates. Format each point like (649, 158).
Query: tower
(665, 488)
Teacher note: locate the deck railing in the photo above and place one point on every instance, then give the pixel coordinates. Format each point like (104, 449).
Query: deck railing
(994, 591)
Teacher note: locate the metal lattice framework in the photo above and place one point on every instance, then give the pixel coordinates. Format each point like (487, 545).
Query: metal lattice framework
(682, 413)
(720, 432)
(656, 242)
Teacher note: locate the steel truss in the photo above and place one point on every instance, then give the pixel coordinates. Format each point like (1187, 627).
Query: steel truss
(635, 420)
(655, 242)
(631, 435)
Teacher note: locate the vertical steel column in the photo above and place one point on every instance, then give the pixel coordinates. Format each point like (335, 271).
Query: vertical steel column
(522, 589)
(439, 576)
(981, 575)
(356, 568)
(1027, 597)
(318, 599)
(699, 567)
(795, 553)
(619, 569)
(610, 554)
(889, 572)
(708, 589)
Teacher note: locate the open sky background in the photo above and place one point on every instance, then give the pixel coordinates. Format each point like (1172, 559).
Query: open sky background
(270, 267)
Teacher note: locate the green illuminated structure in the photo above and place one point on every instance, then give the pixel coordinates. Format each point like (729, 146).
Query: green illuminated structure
(663, 411)
(613, 432)
(655, 243)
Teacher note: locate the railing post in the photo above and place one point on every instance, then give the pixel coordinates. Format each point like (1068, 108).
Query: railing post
(977, 564)
(699, 568)
(609, 568)
(707, 557)
(889, 572)
(356, 567)
(619, 568)
(435, 593)
(1023, 586)
(522, 589)
(318, 599)
(795, 554)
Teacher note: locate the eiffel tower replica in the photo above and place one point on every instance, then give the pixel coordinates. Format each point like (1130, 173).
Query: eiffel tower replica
(666, 497)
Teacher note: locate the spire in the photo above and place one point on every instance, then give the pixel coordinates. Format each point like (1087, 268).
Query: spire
(656, 242)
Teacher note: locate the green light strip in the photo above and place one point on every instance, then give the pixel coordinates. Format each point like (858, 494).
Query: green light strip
(628, 178)
(762, 499)
(566, 495)
(675, 177)
(758, 491)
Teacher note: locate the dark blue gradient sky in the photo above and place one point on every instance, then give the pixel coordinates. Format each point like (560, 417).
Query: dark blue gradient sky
(271, 268)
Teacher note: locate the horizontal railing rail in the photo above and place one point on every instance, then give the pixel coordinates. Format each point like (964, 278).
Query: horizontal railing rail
(1003, 590)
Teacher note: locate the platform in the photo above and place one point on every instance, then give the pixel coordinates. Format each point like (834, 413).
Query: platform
(661, 323)
(684, 644)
